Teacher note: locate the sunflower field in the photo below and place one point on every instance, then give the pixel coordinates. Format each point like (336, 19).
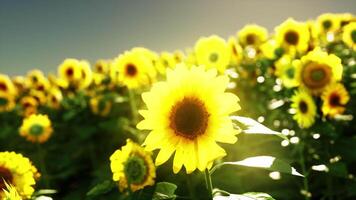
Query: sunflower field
(259, 115)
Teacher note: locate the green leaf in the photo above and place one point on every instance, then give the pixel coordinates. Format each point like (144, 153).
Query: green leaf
(246, 196)
(250, 126)
(265, 162)
(164, 190)
(102, 188)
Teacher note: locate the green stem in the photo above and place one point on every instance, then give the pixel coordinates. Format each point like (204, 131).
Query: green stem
(41, 159)
(133, 106)
(304, 171)
(209, 184)
(190, 187)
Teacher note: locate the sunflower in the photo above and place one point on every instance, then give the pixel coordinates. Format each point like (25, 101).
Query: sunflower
(191, 58)
(29, 105)
(19, 83)
(133, 69)
(86, 77)
(100, 105)
(178, 56)
(10, 193)
(286, 71)
(346, 18)
(37, 81)
(305, 108)
(292, 36)
(236, 50)
(7, 102)
(252, 35)
(271, 50)
(133, 165)
(188, 114)
(54, 98)
(70, 71)
(334, 97)
(6, 85)
(212, 52)
(102, 66)
(328, 22)
(166, 60)
(40, 96)
(19, 172)
(36, 128)
(349, 35)
(318, 69)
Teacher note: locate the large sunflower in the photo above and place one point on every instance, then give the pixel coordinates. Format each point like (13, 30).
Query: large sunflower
(188, 114)
(305, 108)
(349, 35)
(19, 172)
(36, 128)
(252, 35)
(6, 85)
(334, 97)
(318, 69)
(286, 71)
(7, 102)
(212, 52)
(132, 164)
(292, 36)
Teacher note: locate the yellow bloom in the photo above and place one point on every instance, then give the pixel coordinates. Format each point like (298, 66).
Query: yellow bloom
(236, 50)
(40, 96)
(37, 81)
(86, 75)
(252, 35)
(54, 98)
(100, 105)
(349, 35)
(190, 59)
(318, 69)
(292, 36)
(271, 49)
(188, 114)
(178, 56)
(29, 105)
(134, 165)
(286, 71)
(7, 102)
(19, 172)
(70, 71)
(305, 108)
(102, 66)
(212, 52)
(133, 69)
(346, 18)
(10, 193)
(334, 97)
(19, 83)
(36, 128)
(328, 22)
(6, 85)
(166, 60)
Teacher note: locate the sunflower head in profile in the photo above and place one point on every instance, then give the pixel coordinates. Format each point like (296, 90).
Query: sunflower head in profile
(318, 69)
(36, 128)
(132, 167)
(17, 171)
(334, 97)
(133, 69)
(292, 36)
(188, 114)
(6, 85)
(349, 35)
(7, 102)
(86, 76)
(236, 50)
(305, 108)
(252, 35)
(286, 71)
(100, 105)
(212, 52)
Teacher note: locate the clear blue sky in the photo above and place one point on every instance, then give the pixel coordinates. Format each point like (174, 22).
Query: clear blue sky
(40, 34)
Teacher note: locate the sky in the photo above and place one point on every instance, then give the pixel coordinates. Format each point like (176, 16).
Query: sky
(41, 34)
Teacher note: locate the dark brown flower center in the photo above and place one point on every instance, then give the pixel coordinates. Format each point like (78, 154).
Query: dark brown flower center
(327, 24)
(131, 69)
(251, 39)
(334, 100)
(315, 75)
(70, 72)
(303, 107)
(291, 37)
(5, 176)
(189, 118)
(3, 87)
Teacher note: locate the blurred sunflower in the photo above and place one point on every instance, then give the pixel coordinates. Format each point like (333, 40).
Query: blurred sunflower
(334, 97)
(349, 35)
(292, 36)
(54, 98)
(346, 18)
(40, 96)
(178, 56)
(271, 50)
(286, 71)
(100, 105)
(133, 165)
(86, 77)
(318, 69)
(29, 105)
(236, 50)
(19, 83)
(10, 193)
(190, 59)
(166, 60)
(7, 102)
(188, 114)
(102, 66)
(132, 69)
(70, 71)
(212, 52)
(19, 172)
(252, 35)
(328, 22)
(36, 80)
(151, 56)
(6, 85)
(305, 108)
(36, 128)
